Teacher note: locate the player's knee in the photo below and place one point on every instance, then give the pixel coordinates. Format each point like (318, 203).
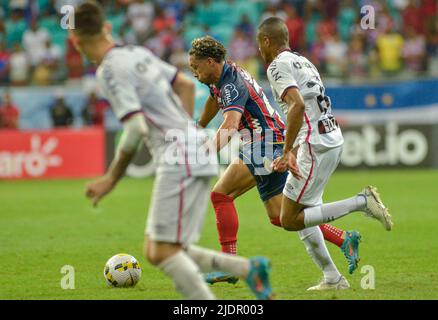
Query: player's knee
(289, 224)
(276, 222)
(218, 198)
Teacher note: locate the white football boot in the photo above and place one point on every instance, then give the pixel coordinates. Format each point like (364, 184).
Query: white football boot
(342, 284)
(375, 207)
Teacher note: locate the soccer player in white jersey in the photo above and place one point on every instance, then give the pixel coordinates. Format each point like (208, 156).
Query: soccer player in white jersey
(138, 87)
(311, 126)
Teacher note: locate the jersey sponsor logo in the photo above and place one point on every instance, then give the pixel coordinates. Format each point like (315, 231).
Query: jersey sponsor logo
(230, 93)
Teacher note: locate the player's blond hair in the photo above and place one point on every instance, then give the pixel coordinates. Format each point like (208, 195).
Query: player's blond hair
(208, 47)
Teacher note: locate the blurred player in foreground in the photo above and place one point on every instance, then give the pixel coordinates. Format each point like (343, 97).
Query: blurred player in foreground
(246, 109)
(138, 87)
(298, 88)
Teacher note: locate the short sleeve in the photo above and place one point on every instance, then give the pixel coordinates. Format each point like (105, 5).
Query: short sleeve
(118, 90)
(234, 97)
(281, 77)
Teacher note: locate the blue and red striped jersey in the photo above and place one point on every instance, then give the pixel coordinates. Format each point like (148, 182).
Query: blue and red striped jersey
(238, 91)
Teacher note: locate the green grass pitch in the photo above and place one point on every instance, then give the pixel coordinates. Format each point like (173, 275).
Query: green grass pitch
(45, 225)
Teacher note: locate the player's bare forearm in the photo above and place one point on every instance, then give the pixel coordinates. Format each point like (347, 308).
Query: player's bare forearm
(210, 110)
(294, 117)
(98, 188)
(119, 165)
(228, 128)
(185, 89)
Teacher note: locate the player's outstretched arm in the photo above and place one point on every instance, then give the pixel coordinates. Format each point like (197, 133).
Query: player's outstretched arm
(211, 109)
(134, 130)
(184, 87)
(227, 129)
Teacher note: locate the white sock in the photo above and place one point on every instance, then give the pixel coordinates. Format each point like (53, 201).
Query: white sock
(314, 216)
(210, 260)
(316, 248)
(186, 277)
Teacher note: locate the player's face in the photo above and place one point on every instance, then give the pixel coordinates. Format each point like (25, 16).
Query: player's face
(263, 43)
(202, 69)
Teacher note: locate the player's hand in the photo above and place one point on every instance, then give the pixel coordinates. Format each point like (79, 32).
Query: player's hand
(280, 164)
(292, 165)
(98, 188)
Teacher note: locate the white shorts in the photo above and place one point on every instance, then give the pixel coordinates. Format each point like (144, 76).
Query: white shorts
(178, 207)
(316, 166)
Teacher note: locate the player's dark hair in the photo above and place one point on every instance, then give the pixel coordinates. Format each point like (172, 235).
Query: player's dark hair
(275, 29)
(208, 47)
(89, 19)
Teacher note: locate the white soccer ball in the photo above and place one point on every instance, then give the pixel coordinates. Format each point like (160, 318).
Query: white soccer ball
(122, 270)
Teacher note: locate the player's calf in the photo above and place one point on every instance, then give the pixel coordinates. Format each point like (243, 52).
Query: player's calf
(227, 222)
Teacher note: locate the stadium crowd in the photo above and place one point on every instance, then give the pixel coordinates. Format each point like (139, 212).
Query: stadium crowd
(35, 49)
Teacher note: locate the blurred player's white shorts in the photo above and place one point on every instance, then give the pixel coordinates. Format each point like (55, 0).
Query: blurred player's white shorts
(178, 207)
(316, 166)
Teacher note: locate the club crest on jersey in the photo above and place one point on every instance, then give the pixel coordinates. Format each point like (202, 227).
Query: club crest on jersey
(230, 93)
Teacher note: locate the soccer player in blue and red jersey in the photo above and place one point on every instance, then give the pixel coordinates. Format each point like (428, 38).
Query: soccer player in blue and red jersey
(247, 110)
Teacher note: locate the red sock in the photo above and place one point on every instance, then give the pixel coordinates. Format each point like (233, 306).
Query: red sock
(276, 222)
(332, 234)
(227, 222)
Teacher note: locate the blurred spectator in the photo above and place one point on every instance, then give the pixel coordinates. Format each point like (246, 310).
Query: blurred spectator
(174, 9)
(335, 52)
(273, 10)
(19, 66)
(73, 60)
(412, 17)
(347, 16)
(385, 21)
(414, 51)
(15, 27)
(48, 71)
(4, 63)
(316, 53)
(357, 58)
(18, 4)
(161, 21)
(243, 52)
(330, 7)
(61, 114)
(9, 113)
(3, 35)
(298, 5)
(246, 26)
(326, 28)
(433, 49)
(161, 43)
(34, 42)
(93, 112)
(295, 25)
(429, 9)
(390, 49)
(140, 15)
